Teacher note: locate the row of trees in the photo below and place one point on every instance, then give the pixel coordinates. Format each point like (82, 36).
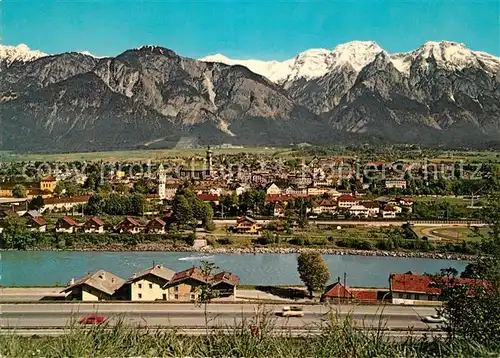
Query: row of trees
(115, 204)
(188, 210)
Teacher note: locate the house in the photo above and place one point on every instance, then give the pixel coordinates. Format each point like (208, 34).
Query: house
(37, 224)
(225, 284)
(388, 212)
(338, 292)
(171, 190)
(240, 190)
(273, 189)
(48, 184)
(184, 285)
(209, 198)
(156, 226)
(279, 209)
(315, 191)
(409, 287)
(66, 224)
(295, 192)
(94, 225)
(346, 201)
(129, 225)
(395, 184)
(32, 214)
(372, 206)
(148, 285)
(97, 286)
(246, 225)
(327, 206)
(65, 204)
(359, 211)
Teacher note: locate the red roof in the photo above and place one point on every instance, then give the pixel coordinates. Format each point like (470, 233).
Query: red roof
(69, 221)
(193, 273)
(156, 220)
(364, 294)
(338, 290)
(208, 197)
(227, 277)
(49, 178)
(389, 208)
(74, 199)
(347, 198)
(241, 219)
(414, 283)
(330, 202)
(97, 221)
(131, 220)
(39, 221)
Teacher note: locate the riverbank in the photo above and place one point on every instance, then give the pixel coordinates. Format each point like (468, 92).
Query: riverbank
(221, 250)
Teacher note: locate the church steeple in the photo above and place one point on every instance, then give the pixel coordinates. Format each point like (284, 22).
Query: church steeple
(209, 160)
(162, 181)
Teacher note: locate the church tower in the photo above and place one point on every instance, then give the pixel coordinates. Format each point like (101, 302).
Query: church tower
(162, 181)
(209, 161)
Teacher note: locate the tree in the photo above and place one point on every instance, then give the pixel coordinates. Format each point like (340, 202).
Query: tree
(19, 191)
(313, 271)
(205, 291)
(36, 203)
(182, 210)
(95, 205)
(473, 310)
(104, 189)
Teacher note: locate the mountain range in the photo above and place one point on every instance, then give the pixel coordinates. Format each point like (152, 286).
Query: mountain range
(442, 93)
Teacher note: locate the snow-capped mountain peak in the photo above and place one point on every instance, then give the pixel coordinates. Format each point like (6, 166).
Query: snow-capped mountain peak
(356, 53)
(445, 54)
(276, 71)
(21, 52)
(310, 64)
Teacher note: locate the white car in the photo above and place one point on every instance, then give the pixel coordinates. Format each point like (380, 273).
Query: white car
(293, 311)
(435, 318)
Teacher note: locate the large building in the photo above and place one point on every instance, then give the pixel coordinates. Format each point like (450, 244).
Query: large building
(205, 173)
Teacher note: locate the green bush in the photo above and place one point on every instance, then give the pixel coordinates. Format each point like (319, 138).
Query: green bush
(225, 240)
(298, 240)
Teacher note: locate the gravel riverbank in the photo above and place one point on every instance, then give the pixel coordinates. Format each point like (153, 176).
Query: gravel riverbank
(263, 250)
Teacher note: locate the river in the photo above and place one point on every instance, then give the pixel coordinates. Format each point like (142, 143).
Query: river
(48, 268)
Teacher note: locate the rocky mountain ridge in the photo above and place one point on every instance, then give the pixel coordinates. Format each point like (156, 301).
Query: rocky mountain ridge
(440, 94)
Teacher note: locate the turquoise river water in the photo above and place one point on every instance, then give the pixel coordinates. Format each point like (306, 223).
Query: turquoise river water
(47, 268)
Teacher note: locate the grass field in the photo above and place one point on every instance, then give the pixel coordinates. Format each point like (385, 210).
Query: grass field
(137, 155)
(450, 233)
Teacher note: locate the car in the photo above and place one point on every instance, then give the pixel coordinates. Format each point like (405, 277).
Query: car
(292, 311)
(93, 319)
(435, 318)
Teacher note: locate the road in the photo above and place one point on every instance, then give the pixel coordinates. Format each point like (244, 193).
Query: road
(374, 223)
(55, 315)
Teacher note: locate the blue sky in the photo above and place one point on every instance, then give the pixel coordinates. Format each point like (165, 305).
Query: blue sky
(246, 29)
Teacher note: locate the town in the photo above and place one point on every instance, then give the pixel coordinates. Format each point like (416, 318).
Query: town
(343, 202)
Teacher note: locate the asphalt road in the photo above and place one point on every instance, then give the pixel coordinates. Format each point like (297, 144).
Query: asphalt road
(54, 315)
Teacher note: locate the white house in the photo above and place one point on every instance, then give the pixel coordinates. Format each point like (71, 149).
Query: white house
(359, 210)
(346, 201)
(388, 212)
(273, 189)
